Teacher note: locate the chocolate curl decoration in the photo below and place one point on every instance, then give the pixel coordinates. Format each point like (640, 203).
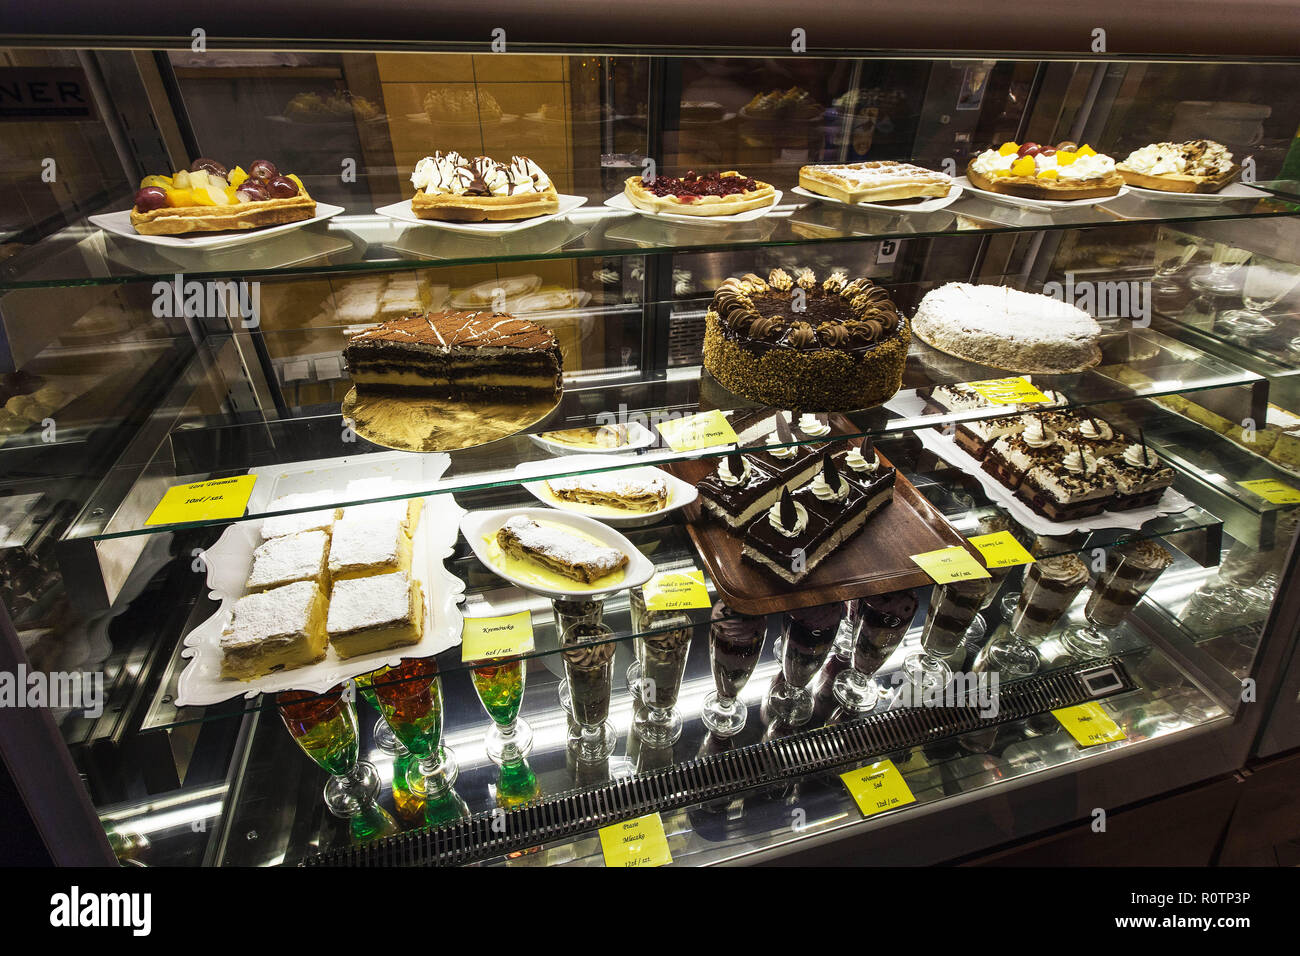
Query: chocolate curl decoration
(829, 472)
(1146, 454)
(868, 448)
(783, 430)
(736, 464)
(789, 517)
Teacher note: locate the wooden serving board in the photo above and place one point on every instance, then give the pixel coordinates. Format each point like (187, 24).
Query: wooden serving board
(874, 561)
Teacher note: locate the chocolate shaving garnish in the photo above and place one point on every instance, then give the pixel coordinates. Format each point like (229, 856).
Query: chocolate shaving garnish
(736, 464)
(833, 334)
(783, 431)
(868, 448)
(830, 474)
(766, 327)
(789, 517)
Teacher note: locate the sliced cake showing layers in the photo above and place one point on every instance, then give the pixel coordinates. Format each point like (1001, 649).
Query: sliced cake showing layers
(457, 355)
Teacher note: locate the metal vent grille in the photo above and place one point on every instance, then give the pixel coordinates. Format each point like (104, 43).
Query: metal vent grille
(713, 776)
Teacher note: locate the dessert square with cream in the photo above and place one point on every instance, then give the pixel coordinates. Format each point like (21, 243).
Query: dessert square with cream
(284, 560)
(375, 613)
(276, 629)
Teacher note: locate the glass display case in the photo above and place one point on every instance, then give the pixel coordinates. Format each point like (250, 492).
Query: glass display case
(472, 685)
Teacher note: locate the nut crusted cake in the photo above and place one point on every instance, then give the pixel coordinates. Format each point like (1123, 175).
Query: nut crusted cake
(458, 355)
(558, 549)
(796, 343)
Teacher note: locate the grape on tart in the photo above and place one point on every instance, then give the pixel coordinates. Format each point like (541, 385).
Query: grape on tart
(1007, 329)
(209, 198)
(710, 194)
(452, 188)
(1197, 166)
(881, 181)
(795, 343)
(1065, 171)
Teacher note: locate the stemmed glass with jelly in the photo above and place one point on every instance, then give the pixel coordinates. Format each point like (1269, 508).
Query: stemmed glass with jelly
(410, 698)
(325, 727)
(500, 689)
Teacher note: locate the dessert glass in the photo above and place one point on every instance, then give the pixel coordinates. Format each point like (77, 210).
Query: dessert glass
(878, 627)
(953, 607)
(589, 669)
(382, 734)
(567, 613)
(500, 690)
(735, 643)
(663, 662)
(1130, 572)
(1051, 585)
(806, 638)
(410, 698)
(325, 727)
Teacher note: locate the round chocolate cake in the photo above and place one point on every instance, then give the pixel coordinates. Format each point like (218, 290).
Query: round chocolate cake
(799, 344)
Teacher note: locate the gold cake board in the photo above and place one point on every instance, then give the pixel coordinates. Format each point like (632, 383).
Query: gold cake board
(426, 424)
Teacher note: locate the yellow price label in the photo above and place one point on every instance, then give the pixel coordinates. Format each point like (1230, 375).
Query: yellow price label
(1014, 390)
(213, 500)
(485, 638)
(877, 787)
(694, 432)
(639, 842)
(950, 564)
(1089, 724)
(676, 591)
(1272, 491)
(1001, 550)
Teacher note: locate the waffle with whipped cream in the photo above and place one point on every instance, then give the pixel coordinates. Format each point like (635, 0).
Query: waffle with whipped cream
(876, 181)
(1196, 166)
(454, 188)
(1064, 172)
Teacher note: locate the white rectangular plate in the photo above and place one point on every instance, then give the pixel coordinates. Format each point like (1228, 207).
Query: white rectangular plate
(638, 436)
(408, 474)
(228, 562)
(926, 204)
(680, 493)
(401, 212)
(623, 204)
(119, 224)
(1226, 194)
(1037, 203)
(1172, 502)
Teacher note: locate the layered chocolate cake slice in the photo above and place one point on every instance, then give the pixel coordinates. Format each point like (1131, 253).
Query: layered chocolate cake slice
(457, 355)
(1066, 491)
(739, 489)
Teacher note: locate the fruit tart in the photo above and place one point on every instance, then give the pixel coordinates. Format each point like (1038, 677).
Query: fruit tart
(1197, 166)
(452, 188)
(209, 198)
(1065, 171)
(709, 194)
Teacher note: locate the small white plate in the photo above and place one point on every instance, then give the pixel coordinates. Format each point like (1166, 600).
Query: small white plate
(119, 224)
(928, 204)
(478, 525)
(1226, 194)
(680, 493)
(1037, 203)
(401, 212)
(638, 436)
(623, 204)
(481, 296)
(556, 301)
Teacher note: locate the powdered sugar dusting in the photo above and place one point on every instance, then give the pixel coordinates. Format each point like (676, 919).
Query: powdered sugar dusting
(295, 557)
(562, 544)
(359, 603)
(281, 613)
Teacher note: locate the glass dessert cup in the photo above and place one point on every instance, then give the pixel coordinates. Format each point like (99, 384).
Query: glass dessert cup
(325, 727)
(663, 662)
(806, 638)
(517, 784)
(1266, 283)
(500, 689)
(382, 734)
(1130, 572)
(878, 626)
(1224, 275)
(953, 607)
(735, 643)
(588, 652)
(410, 698)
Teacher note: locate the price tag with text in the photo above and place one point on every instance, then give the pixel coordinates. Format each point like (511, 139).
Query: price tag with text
(950, 564)
(676, 591)
(213, 500)
(1089, 724)
(694, 432)
(483, 638)
(1009, 391)
(639, 842)
(1001, 550)
(1272, 491)
(877, 787)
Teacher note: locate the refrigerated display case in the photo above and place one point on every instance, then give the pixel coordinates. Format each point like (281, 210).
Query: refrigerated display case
(164, 361)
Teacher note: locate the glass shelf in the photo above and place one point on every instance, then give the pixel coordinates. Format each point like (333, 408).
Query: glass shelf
(356, 242)
(202, 451)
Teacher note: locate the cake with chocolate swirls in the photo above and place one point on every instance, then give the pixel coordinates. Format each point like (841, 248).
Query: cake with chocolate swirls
(796, 343)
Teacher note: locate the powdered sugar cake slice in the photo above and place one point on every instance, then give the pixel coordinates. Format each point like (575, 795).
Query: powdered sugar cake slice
(1008, 329)
(284, 560)
(374, 614)
(274, 629)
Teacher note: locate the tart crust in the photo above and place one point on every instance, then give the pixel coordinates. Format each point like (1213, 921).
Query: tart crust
(451, 208)
(642, 198)
(178, 220)
(1179, 182)
(1030, 187)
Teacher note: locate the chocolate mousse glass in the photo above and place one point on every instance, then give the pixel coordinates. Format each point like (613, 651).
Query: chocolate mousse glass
(662, 653)
(735, 643)
(1051, 585)
(588, 652)
(568, 613)
(953, 607)
(878, 624)
(1131, 569)
(806, 638)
